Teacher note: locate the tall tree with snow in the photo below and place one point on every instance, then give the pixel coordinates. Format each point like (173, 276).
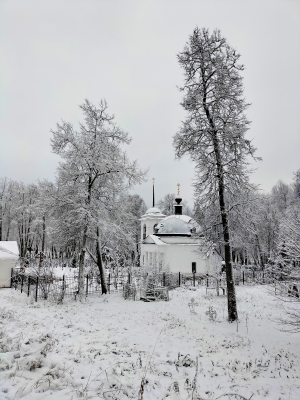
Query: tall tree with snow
(213, 133)
(92, 177)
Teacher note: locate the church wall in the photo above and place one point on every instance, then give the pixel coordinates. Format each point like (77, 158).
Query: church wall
(178, 258)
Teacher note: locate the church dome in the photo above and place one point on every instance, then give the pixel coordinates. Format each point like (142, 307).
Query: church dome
(177, 225)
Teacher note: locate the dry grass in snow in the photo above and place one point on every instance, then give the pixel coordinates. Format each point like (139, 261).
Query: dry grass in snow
(110, 348)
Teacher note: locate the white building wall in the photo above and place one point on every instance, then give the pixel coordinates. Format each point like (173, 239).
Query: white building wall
(6, 266)
(177, 258)
(9, 254)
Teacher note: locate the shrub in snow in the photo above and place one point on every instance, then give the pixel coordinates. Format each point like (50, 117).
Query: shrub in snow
(31, 363)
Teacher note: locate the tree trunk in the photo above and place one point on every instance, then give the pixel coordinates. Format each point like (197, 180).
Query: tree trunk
(84, 243)
(100, 263)
(8, 230)
(81, 262)
(260, 253)
(44, 234)
(231, 298)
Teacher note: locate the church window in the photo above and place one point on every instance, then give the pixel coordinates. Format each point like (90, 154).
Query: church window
(194, 267)
(160, 260)
(144, 231)
(155, 259)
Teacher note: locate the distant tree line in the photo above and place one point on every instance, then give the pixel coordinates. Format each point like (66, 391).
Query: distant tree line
(264, 227)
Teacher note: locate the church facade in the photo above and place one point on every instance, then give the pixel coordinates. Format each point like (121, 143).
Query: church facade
(174, 243)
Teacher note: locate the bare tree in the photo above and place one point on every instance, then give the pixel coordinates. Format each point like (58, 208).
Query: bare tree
(213, 133)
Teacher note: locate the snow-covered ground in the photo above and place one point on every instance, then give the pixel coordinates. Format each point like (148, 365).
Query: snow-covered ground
(104, 346)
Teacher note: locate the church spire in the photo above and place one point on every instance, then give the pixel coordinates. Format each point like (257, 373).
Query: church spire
(153, 200)
(178, 199)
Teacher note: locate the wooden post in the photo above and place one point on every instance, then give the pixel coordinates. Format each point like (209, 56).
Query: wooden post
(63, 288)
(243, 277)
(109, 283)
(28, 289)
(87, 284)
(179, 279)
(36, 288)
(193, 278)
(22, 282)
(129, 281)
(164, 279)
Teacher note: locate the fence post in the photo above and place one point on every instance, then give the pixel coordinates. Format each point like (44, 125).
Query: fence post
(109, 283)
(87, 285)
(179, 279)
(63, 288)
(22, 282)
(164, 279)
(207, 282)
(36, 288)
(28, 289)
(193, 278)
(129, 281)
(243, 277)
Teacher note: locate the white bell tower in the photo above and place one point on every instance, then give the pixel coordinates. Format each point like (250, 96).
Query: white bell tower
(150, 219)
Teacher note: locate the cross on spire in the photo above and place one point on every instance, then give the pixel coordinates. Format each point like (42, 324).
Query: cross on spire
(178, 188)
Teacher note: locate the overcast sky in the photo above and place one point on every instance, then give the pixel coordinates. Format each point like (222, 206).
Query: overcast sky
(54, 54)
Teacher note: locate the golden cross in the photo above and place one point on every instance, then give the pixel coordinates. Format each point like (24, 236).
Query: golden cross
(178, 186)
(153, 180)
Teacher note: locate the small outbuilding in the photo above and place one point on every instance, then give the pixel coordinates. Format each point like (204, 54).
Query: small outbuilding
(9, 255)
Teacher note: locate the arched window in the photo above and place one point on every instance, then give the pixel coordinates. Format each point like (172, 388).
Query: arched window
(155, 229)
(144, 231)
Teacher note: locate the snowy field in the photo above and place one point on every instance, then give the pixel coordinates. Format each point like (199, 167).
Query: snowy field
(104, 347)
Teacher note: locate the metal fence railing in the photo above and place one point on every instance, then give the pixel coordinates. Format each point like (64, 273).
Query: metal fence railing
(52, 287)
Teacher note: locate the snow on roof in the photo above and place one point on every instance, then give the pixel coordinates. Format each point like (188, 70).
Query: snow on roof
(9, 249)
(177, 224)
(157, 240)
(153, 212)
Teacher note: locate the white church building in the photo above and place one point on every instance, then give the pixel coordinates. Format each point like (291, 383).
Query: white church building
(174, 243)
